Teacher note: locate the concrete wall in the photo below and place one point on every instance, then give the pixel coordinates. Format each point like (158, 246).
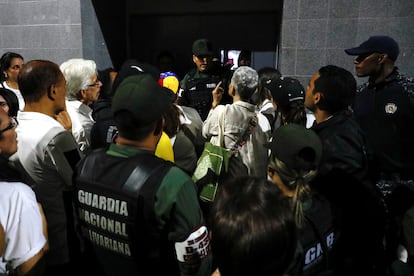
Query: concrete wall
(316, 32)
(51, 29)
(93, 43)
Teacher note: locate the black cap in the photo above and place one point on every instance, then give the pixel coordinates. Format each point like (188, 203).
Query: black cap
(202, 47)
(133, 67)
(285, 90)
(296, 146)
(143, 97)
(377, 44)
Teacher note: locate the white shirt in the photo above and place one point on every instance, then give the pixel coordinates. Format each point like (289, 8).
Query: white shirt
(18, 94)
(310, 118)
(22, 223)
(236, 120)
(82, 122)
(267, 106)
(48, 152)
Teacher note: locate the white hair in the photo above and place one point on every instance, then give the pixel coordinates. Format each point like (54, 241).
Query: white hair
(78, 73)
(245, 80)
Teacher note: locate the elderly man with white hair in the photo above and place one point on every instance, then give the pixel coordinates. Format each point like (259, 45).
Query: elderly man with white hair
(243, 127)
(82, 88)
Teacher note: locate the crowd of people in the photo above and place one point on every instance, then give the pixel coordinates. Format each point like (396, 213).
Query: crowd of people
(97, 167)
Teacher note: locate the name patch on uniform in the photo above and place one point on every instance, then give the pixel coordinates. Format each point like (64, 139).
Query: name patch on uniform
(196, 246)
(99, 225)
(104, 203)
(102, 222)
(110, 243)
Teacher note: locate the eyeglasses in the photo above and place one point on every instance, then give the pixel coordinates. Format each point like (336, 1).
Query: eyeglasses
(97, 83)
(363, 57)
(13, 123)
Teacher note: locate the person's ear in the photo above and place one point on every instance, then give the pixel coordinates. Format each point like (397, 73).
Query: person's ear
(194, 58)
(51, 93)
(270, 172)
(382, 57)
(317, 97)
(83, 93)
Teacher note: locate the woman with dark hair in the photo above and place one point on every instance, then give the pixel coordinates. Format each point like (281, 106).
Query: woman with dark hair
(252, 228)
(288, 98)
(185, 156)
(9, 102)
(23, 233)
(263, 97)
(10, 65)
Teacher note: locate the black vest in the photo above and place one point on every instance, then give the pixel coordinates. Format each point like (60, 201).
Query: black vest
(318, 235)
(103, 130)
(114, 199)
(197, 93)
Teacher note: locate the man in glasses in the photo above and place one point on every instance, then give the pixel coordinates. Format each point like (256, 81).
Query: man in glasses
(197, 85)
(384, 107)
(83, 88)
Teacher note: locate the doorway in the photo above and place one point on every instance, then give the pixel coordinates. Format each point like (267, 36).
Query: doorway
(148, 28)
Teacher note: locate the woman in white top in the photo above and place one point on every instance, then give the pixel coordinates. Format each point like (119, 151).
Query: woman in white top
(24, 228)
(23, 234)
(10, 66)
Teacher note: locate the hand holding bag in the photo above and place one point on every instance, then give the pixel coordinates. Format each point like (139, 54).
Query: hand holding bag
(218, 163)
(213, 161)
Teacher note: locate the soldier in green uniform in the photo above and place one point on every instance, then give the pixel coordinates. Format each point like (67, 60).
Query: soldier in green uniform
(199, 82)
(140, 214)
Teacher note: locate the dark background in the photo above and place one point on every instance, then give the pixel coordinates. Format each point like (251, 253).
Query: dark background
(142, 29)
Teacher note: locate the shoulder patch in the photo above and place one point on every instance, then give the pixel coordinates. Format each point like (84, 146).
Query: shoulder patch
(390, 108)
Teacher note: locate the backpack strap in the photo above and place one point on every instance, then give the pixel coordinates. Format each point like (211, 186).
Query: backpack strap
(188, 133)
(245, 135)
(143, 172)
(147, 166)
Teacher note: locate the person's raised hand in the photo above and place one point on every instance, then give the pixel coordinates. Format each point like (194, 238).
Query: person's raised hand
(217, 95)
(64, 119)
